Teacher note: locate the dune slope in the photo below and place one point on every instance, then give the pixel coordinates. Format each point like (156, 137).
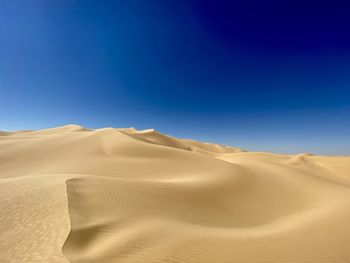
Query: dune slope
(71, 194)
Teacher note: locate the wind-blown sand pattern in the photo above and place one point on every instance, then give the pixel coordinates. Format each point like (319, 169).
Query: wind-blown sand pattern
(71, 194)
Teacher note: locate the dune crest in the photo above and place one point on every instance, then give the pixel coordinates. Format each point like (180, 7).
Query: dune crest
(72, 194)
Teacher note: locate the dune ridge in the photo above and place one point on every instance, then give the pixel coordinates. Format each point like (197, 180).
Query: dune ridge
(73, 194)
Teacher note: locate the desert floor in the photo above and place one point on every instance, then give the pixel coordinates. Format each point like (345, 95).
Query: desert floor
(70, 194)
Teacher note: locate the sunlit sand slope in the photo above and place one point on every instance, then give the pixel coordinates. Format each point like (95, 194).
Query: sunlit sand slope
(70, 194)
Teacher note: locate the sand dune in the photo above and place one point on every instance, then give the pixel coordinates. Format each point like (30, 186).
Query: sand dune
(71, 194)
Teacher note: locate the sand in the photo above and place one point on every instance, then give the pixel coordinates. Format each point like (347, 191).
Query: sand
(70, 194)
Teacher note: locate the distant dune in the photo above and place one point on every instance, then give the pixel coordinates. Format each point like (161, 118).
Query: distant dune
(71, 194)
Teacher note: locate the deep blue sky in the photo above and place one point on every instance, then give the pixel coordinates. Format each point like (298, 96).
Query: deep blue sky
(262, 75)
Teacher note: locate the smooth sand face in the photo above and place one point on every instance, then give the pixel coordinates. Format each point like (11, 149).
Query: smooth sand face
(71, 194)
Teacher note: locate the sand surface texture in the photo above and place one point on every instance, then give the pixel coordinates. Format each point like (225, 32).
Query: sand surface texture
(70, 194)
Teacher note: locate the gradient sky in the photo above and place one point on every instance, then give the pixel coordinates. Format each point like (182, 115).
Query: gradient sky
(262, 75)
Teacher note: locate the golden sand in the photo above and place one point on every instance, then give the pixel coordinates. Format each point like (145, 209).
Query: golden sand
(70, 194)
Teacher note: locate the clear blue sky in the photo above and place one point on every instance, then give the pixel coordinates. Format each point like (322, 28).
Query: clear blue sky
(262, 75)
